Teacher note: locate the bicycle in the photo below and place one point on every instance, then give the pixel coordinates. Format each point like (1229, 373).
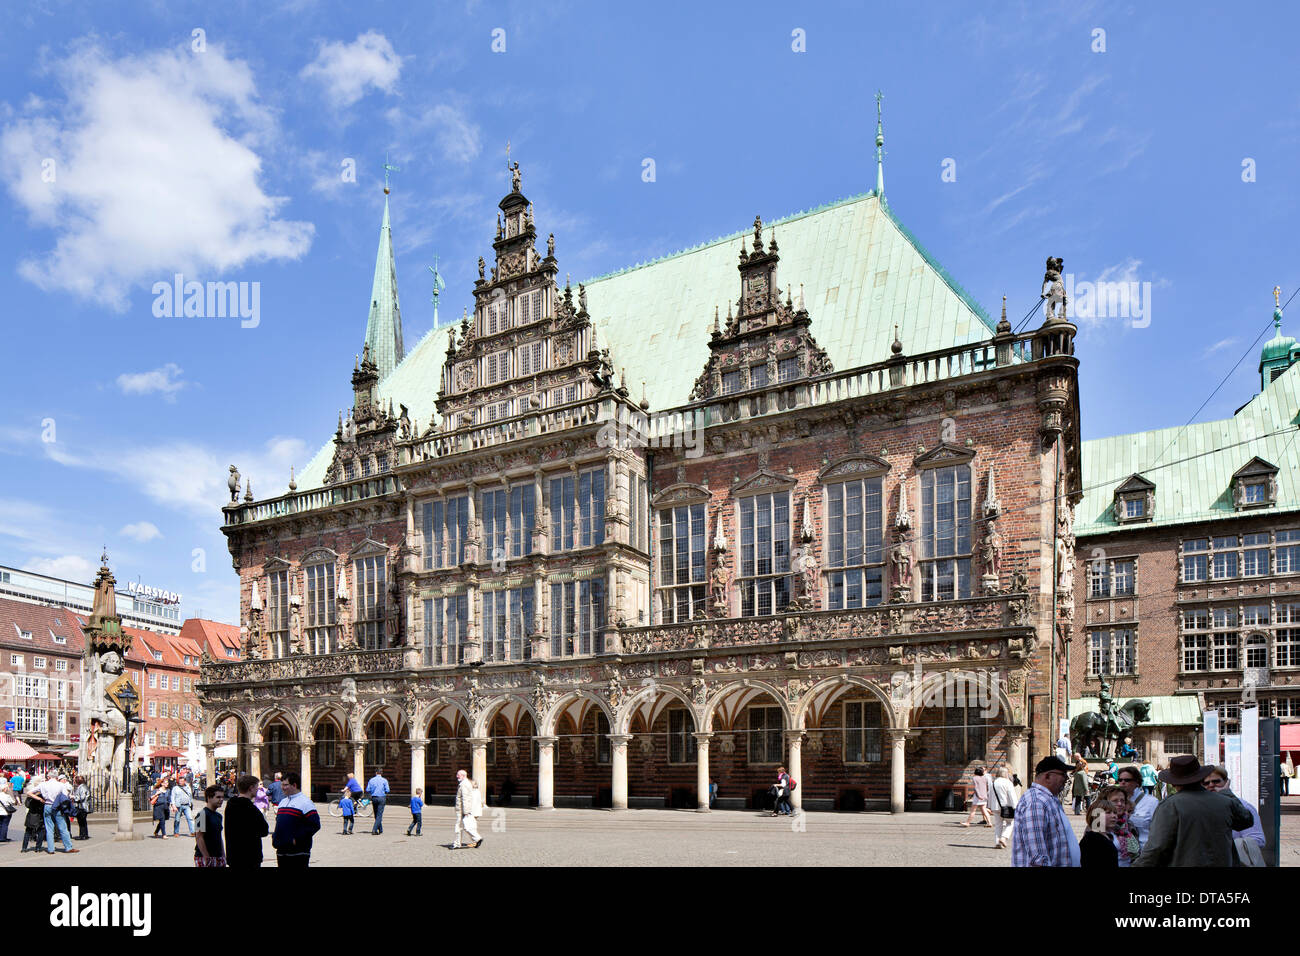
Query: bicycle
(362, 807)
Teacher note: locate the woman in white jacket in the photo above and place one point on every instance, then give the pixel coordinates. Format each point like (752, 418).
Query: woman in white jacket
(1003, 794)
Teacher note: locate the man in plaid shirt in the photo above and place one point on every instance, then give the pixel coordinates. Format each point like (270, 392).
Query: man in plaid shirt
(1043, 836)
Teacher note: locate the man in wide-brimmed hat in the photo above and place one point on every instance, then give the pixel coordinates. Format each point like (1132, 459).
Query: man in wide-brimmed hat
(1193, 827)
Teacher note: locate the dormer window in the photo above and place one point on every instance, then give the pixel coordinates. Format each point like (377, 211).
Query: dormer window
(758, 376)
(731, 382)
(787, 369)
(1135, 500)
(1254, 485)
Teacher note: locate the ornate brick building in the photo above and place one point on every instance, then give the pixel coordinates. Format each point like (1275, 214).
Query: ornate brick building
(1189, 565)
(824, 533)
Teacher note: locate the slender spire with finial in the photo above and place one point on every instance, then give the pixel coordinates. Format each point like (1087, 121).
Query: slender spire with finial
(387, 169)
(1277, 308)
(438, 286)
(880, 149)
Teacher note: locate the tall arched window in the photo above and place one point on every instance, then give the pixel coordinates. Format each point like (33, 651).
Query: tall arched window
(378, 735)
(327, 743)
(602, 737)
(280, 747)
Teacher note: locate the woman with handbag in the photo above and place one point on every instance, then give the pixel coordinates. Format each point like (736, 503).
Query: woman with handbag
(81, 807)
(1003, 798)
(8, 807)
(161, 801)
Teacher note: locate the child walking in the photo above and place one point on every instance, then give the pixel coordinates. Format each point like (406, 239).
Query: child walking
(348, 809)
(417, 810)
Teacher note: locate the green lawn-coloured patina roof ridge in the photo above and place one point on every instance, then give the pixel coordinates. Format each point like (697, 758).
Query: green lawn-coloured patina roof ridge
(1193, 478)
(862, 273)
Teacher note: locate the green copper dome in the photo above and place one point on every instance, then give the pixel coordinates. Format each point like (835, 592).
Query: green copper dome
(1279, 346)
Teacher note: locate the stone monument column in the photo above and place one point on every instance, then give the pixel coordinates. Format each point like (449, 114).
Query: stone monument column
(418, 744)
(359, 761)
(618, 758)
(479, 763)
(702, 771)
(210, 759)
(794, 740)
(546, 773)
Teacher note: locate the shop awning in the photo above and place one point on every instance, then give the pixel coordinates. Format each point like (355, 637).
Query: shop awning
(167, 753)
(15, 750)
(1290, 736)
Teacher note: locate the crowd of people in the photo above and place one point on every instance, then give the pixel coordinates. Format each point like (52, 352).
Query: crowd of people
(1187, 816)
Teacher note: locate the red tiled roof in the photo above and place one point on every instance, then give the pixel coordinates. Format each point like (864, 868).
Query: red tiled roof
(151, 642)
(214, 636)
(41, 620)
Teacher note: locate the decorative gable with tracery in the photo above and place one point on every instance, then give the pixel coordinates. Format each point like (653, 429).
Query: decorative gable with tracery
(765, 341)
(529, 345)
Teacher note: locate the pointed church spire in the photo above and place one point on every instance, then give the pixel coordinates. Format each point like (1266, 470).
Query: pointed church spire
(880, 150)
(384, 327)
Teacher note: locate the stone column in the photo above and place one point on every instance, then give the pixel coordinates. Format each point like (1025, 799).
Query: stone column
(546, 773)
(417, 762)
(897, 770)
(359, 761)
(618, 758)
(794, 741)
(702, 772)
(210, 759)
(255, 755)
(478, 766)
(1016, 737)
(305, 764)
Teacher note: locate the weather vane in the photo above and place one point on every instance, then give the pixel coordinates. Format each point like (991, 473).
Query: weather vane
(438, 286)
(387, 169)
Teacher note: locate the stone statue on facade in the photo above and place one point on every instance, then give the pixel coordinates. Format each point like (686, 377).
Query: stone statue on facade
(232, 483)
(582, 298)
(404, 424)
(1054, 289)
(550, 246)
(516, 177)
(991, 551)
(482, 268)
(900, 557)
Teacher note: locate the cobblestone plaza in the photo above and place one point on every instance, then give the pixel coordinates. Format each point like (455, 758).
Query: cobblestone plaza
(640, 838)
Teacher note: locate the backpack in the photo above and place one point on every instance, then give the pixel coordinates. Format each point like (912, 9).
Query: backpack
(793, 783)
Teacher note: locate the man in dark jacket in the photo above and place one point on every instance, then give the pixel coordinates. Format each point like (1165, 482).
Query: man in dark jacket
(295, 823)
(1193, 827)
(245, 826)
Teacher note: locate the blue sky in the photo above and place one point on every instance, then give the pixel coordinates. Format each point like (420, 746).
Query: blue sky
(225, 162)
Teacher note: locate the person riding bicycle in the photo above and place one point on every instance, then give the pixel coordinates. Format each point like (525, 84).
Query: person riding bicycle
(352, 788)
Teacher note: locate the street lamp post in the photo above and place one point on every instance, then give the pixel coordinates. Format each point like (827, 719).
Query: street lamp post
(126, 696)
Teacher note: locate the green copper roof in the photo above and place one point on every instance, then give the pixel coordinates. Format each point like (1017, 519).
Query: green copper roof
(1279, 346)
(1173, 710)
(862, 274)
(1194, 479)
(384, 327)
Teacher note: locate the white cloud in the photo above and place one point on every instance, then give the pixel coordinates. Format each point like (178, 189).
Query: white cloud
(70, 567)
(154, 173)
(346, 70)
(1218, 346)
(141, 531)
(188, 476)
(459, 137)
(165, 379)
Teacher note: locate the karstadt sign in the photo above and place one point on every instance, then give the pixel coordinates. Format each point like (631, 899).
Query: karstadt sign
(154, 594)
